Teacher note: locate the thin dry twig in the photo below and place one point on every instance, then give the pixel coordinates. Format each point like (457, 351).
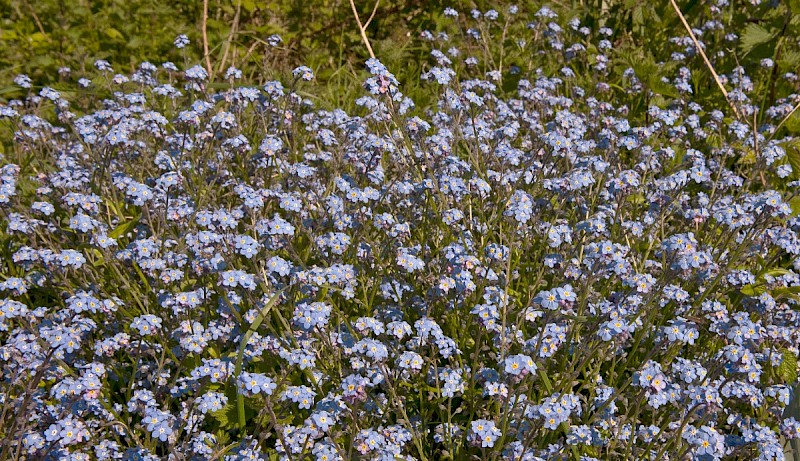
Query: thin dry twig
(250, 51)
(234, 29)
(361, 29)
(705, 58)
(36, 18)
(372, 16)
(205, 37)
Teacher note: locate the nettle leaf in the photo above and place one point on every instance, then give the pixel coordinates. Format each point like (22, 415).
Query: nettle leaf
(793, 124)
(226, 417)
(714, 140)
(787, 370)
(793, 157)
(753, 36)
(748, 159)
(789, 59)
(658, 86)
(794, 204)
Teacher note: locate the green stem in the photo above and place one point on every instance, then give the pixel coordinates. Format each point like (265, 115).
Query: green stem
(240, 356)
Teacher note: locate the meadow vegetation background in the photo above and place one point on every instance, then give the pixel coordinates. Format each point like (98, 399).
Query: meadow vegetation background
(40, 37)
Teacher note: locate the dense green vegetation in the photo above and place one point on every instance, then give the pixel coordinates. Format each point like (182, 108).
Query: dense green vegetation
(38, 37)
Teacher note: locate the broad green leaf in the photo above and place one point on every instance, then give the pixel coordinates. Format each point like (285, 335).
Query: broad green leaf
(790, 59)
(98, 258)
(658, 86)
(125, 227)
(753, 36)
(794, 203)
(714, 140)
(545, 380)
(752, 290)
(638, 15)
(793, 124)
(226, 417)
(786, 291)
(113, 34)
(793, 157)
(240, 356)
(636, 198)
(38, 38)
(787, 370)
(777, 272)
(748, 159)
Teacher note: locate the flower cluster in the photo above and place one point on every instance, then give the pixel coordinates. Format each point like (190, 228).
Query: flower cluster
(551, 263)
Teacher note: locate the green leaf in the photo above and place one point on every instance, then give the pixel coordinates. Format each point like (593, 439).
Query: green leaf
(545, 380)
(793, 156)
(753, 36)
(240, 410)
(779, 271)
(785, 291)
(9, 89)
(793, 124)
(638, 15)
(98, 258)
(789, 59)
(113, 34)
(752, 290)
(794, 204)
(226, 417)
(748, 159)
(714, 140)
(38, 38)
(653, 74)
(125, 227)
(787, 370)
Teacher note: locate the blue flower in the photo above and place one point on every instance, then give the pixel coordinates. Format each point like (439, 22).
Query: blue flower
(181, 41)
(256, 383)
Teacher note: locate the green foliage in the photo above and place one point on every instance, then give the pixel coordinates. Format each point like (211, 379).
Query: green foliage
(40, 37)
(124, 228)
(753, 36)
(226, 417)
(793, 156)
(787, 370)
